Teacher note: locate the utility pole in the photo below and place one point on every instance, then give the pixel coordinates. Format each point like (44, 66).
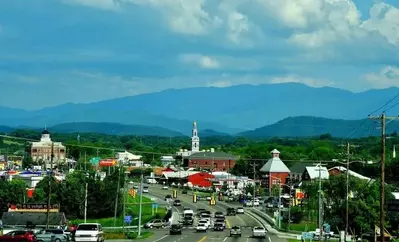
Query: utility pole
(279, 203)
(320, 207)
(348, 146)
(383, 118)
(117, 196)
(124, 202)
(86, 191)
(141, 205)
(50, 178)
(253, 197)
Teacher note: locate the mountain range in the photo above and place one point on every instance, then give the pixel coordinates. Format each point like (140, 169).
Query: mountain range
(230, 110)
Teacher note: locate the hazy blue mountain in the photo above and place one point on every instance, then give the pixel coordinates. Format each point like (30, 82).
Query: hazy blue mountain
(227, 110)
(5, 129)
(211, 132)
(114, 129)
(305, 126)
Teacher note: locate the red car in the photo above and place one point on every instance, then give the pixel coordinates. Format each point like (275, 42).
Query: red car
(18, 236)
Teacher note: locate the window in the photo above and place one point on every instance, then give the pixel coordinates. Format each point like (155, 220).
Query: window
(195, 144)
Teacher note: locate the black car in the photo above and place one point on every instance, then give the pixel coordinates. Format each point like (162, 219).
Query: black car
(184, 192)
(218, 227)
(231, 212)
(168, 197)
(176, 203)
(175, 229)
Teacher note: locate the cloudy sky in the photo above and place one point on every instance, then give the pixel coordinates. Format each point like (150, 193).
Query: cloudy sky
(57, 51)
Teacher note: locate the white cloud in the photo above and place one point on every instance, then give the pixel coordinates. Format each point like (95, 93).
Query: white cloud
(386, 77)
(202, 61)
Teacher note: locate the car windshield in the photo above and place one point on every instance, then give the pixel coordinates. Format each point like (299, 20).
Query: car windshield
(87, 227)
(240, 208)
(235, 227)
(219, 221)
(54, 231)
(175, 226)
(177, 201)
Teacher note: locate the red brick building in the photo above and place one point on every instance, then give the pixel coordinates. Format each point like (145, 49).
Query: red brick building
(274, 171)
(212, 161)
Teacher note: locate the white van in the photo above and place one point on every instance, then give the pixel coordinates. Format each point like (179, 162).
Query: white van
(91, 232)
(188, 212)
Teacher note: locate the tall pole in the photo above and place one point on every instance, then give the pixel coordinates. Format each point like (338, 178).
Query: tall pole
(253, 198)
(383, 118)
(289, 207)
(117, 196)
(382, 186)
(347, 191)
(141, 205)
(50, 178)
(124, 201)
(320, 207)
(279, 203)
(86, 191)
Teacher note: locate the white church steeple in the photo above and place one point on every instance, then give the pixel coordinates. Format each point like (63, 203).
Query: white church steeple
(195, 139)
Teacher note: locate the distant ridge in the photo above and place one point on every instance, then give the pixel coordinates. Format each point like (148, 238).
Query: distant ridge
(114, 129)
(307, 126)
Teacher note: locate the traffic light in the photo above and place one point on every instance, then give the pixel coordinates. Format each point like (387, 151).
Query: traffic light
(174, 194)
(132, 193)
(194, 198)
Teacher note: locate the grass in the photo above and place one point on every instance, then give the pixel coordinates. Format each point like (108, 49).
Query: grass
(132, 209)
(128, 235)
(301, 227)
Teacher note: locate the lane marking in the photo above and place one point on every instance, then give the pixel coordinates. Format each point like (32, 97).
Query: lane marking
(228, 224)
(225, 239)
(161, 238)
(269, 239)
(202, 239)
(239, 218)
(247, 239)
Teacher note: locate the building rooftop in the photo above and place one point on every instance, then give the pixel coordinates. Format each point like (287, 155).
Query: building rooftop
(212, 155)
(315, 172)
(34, 218)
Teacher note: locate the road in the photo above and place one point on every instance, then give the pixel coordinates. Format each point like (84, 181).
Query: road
(245, 221)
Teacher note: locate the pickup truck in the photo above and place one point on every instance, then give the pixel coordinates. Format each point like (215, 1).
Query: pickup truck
(235, 231)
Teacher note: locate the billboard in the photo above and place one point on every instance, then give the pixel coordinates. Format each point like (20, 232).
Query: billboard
(108, 162)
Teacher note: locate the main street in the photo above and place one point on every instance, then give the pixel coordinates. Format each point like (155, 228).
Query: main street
(245, 221)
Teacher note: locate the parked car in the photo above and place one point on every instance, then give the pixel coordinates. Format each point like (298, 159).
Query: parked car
(235, 231)
(18, 236)
(89, 232)
(175, 229)
(49, 235)
(258, 232)
(155, 223)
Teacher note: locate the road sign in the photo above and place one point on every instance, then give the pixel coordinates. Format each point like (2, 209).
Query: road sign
(128, 219)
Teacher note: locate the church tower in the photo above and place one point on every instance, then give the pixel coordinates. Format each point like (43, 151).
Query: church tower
(195, 139)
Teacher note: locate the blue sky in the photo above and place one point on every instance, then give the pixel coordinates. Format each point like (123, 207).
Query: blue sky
(58, 51)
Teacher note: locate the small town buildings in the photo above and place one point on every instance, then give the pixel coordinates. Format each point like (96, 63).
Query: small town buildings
(42, 151)
(127, 158)
(337, 170)
(274, 171)
(297, 171)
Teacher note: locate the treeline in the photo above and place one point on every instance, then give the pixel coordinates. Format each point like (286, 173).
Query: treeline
(321, 148)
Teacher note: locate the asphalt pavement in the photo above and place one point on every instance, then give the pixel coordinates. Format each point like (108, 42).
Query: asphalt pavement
(245, 221)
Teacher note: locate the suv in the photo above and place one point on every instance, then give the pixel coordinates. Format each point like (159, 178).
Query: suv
(175, 229)
(176, 203)
(219, 214)
(231, 212)
(89, 232)
(235, 231)
(218, 226)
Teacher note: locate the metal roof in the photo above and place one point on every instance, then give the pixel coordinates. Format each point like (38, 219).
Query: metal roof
(315, 172)
(275, 164)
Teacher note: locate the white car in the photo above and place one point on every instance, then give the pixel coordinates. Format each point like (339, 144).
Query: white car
(165, 188)
(206, 222)
(89, 232)
(240, 210)
(258, 232)
(202, 227)
(145, 189)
